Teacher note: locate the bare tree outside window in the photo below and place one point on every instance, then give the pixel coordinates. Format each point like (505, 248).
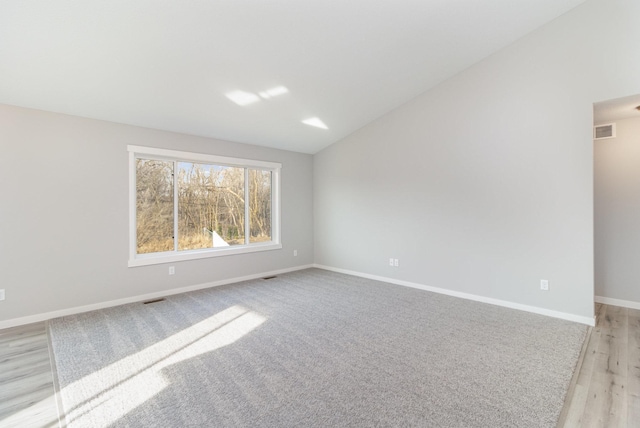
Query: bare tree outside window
(260, 205)
(211, 205)
(154, 206)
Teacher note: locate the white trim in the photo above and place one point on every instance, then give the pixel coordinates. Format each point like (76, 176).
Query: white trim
(202, 157)
(275, 206)
(86, 308)
(142, 297)
(497, 302)
(247, 211)
(618, 302)
(171, 257)
(132, 204)
(176, 212)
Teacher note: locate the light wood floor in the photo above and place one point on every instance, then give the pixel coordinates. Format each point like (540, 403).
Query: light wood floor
(26, 383)
(606, 393)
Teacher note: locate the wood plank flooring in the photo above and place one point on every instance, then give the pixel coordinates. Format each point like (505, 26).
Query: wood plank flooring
(26, 383)
(606, 393)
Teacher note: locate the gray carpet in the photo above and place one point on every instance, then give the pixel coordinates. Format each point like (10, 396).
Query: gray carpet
(313, 348)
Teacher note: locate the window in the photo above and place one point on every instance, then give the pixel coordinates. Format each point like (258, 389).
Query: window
(187, 206)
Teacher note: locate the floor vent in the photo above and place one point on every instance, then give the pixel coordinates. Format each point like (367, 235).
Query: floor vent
(153, 301)
(269, 277)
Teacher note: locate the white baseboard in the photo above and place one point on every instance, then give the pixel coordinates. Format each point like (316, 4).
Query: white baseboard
(497, 302)
(618, 302)
(102, 305)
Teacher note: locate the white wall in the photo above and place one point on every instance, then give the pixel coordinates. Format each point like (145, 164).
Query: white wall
(617, 213)
(64, 213)
(484, 184)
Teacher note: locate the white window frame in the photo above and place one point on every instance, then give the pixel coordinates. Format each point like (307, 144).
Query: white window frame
(141, 152)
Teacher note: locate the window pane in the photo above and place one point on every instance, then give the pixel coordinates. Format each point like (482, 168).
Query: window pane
(260, 205)
(210, 206)
(154, 206)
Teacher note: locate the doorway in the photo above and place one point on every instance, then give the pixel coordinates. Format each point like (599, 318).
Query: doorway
(616, 149)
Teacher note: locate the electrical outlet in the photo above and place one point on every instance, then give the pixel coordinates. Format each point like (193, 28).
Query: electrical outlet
(172, 270)
(2, 294)
(544, 285)
(395, 262)
(390, 262)
(295, 253)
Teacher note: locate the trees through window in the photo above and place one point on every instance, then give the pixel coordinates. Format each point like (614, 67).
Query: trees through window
(191, 205)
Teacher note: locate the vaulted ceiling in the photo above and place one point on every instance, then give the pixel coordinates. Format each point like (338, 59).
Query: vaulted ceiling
(249, 71)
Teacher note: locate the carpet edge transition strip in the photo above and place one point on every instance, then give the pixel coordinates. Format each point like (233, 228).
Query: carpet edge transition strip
(574, 380)
(62, 420)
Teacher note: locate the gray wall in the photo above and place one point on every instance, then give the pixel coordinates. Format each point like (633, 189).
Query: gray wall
(484, 184)
(617, 213)
(64, 213)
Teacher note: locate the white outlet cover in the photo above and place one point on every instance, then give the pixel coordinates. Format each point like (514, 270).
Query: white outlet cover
(1, 294)
(390, 262)
(544, 284)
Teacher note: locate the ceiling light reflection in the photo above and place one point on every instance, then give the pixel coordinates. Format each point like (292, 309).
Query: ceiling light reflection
(315, 121)
(273, 92)
(242, 98)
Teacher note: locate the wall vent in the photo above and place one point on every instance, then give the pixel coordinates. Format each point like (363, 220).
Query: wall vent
(602, 132)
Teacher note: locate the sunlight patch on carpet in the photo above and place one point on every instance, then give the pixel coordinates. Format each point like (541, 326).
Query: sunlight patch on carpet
(117, 389)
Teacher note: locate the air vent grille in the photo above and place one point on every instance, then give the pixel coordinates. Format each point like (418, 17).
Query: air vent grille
(602, 132)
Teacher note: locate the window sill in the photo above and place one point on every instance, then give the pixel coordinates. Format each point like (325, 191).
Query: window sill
(170, 257)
